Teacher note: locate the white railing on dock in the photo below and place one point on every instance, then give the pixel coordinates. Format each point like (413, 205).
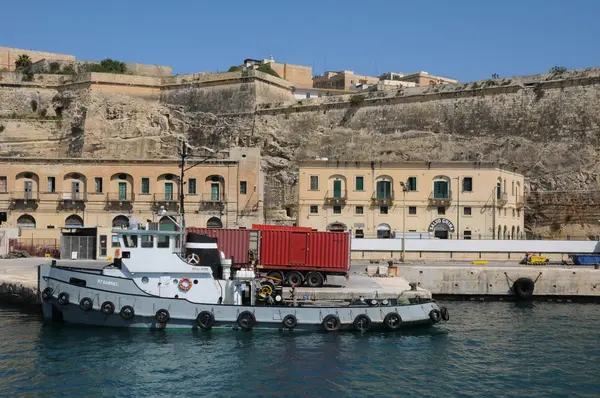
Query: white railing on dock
(477, 246)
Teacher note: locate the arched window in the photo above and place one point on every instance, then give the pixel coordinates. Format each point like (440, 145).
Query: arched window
(384, 231)
(518, 232)
(120, 222)
(214, 189)
(337, 187)
(499, 231)
(504, 232)
(499, 189)
(74, 221)
(441, 187)
(385, 188)
(26, 221)
(214, 222)
(512, 232)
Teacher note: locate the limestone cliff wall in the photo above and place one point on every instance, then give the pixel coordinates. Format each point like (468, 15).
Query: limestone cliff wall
(545, 126)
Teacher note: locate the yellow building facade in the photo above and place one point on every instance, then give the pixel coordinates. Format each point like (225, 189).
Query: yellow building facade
(42, 196)
(453, 200)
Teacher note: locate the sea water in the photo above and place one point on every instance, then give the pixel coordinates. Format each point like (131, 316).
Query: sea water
(485, 350)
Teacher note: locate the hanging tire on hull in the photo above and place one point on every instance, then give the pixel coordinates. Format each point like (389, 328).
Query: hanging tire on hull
(107, 308)
(392, 321)
(63, 298)
(362, 323)
(127, 312)
(86, 304)
(246, 320)
(435, 315)
(162, 316)
(47, 294)
(331, 323)
(523, 288)
(445, 314)
(205, 320)
(290, 321)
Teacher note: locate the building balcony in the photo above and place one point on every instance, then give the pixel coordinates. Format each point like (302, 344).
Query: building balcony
(24, 199)
(382, 198)
(71, 200)
(520, 202)
(119, 200)
(212, 202)
(502, 198)
(168, 200)
(336, 197)
(440, 198)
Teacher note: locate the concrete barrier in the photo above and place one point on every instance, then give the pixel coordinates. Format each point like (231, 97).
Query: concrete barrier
(492, 281)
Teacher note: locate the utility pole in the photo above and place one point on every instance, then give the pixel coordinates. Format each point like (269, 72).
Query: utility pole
(403, 185)
(183, 155)
(458, 208)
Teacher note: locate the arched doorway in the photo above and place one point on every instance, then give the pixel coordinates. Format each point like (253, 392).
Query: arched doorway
(74, 221)
(166, 224)
(214, 222)
(26, 221)
(518, 232)
(499, 231)
(120, 222)
(384, 231)
(337, 227)
(512, 232)
(504, 233)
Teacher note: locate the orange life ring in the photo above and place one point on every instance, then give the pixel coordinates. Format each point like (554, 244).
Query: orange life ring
(185, 284)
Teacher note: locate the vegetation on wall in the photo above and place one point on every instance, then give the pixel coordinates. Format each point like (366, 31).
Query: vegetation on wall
(266, 68)
(356, 99)
(107, 66)
(235, 69)
(23, 65)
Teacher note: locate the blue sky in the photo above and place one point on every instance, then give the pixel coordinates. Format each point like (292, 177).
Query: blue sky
(464, 39)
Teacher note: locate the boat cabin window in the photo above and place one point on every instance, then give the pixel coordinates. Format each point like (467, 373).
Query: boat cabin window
(147, 241)
(162, 241)
(130, 240)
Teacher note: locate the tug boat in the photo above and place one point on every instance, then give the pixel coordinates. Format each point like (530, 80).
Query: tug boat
(157, 285)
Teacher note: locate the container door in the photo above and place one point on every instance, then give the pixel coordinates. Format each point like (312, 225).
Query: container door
(122, 191)
(298, 247)
(337, 188)
(168, 191)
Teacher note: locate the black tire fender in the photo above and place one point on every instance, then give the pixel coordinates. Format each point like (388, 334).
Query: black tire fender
(107, 308)
(205, 320)
(47, 293)
(392, 321)
(127, 312)
(246, 320)
(435, 315)
(362, 323)
(445, 313)
(523, 288)
(331, 323)
(290, 321)
(162, 316)
(63, 298)
(86, 304)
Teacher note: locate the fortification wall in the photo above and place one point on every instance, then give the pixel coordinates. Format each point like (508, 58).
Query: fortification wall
(8, 56)
(545, 126)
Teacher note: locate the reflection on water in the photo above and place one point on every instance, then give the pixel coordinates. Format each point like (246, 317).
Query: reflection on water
(487, 349)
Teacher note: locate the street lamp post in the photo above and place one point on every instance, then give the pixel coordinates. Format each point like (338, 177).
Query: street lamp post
(457, 207)
(403, 185)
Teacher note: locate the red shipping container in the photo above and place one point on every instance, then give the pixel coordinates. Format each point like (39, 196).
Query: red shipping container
(295, 250)
(268, 227)
(234, 243)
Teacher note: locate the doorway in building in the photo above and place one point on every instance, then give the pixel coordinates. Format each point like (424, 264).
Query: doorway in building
(214, 222)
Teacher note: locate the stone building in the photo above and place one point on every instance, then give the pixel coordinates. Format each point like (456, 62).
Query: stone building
(424, 79)
(343, 80)
(298, 75)
(41, 196)
(451, 200)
